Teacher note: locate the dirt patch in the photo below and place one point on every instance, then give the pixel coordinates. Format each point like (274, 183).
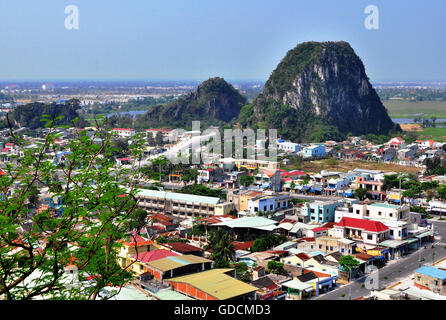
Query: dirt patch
(411, 127)
(313, 167)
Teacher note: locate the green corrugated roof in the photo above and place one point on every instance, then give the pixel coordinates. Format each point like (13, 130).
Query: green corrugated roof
(385, 205)
(169, 294)
(412, 240)
(392, 243)
(424, 234)
(129, 293)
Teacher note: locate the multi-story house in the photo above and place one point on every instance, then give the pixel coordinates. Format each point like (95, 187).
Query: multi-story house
(374, 186)
(320, 211)
(264, 203)
(367, 233)
(287, 146)
(124, 133)
(177, 204)
(396, 218)
(431, 278)
(315, 151)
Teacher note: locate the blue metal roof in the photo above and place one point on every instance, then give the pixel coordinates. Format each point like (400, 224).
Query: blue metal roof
(432, 272)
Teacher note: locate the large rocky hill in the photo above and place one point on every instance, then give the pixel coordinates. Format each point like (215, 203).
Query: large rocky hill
(214, 102)
(319, 91)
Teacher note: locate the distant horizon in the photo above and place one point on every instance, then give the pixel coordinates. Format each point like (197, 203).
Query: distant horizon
(14, 81)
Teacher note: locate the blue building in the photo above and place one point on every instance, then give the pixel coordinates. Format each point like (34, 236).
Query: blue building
(315, 151)
(267, 203)
(320, 211)
(287, 146)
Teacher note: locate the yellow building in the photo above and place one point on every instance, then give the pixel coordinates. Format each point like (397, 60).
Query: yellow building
(245, 197)
(136, 244)
(224, 208)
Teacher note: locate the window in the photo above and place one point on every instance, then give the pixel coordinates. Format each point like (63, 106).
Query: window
(342, 250)
(391, 232)
(369, 237)
(390, 214)
(357, 211)
(367, 213)
(379, 213)
(320, 246)
(331, 248)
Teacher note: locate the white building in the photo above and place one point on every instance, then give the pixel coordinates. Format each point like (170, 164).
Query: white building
(379, 211)
(123, 133)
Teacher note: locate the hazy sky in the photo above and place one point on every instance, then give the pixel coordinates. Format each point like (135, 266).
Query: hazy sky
(198, 39)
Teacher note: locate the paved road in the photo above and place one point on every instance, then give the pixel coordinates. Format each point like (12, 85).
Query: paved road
(395, 270)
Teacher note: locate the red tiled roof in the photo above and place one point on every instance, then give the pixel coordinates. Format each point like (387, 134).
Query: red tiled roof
(308, 239)
(182, 247)
(303, 256)
(318, 274)
(242, 245)
(136, 238)
(288, 221)
(122, 129)
(363, 256)
(161, 218)
(216, 219)
(157, 228)
(292, 173)
(368, 225)
(169, 233)
(318, 229)
(153, 255)
(278, 252)
(2, 173)
(329, 225)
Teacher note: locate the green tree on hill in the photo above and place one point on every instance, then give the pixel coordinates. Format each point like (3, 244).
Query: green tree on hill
(360, 193)
(246, 180)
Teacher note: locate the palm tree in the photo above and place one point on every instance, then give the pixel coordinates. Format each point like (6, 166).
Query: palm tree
(221, 244)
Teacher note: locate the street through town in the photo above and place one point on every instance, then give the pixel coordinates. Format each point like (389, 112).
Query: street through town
(396, 270)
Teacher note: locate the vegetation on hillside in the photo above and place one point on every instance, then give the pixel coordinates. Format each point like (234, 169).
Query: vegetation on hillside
(30, 115)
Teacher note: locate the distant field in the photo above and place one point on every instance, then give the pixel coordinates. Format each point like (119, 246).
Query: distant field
(437, 134)
(406, 109)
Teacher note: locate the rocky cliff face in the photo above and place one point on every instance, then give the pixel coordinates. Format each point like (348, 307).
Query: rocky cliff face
(214, 102)
(321, 86)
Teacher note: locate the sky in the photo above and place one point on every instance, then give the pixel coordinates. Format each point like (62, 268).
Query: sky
(199, 39)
